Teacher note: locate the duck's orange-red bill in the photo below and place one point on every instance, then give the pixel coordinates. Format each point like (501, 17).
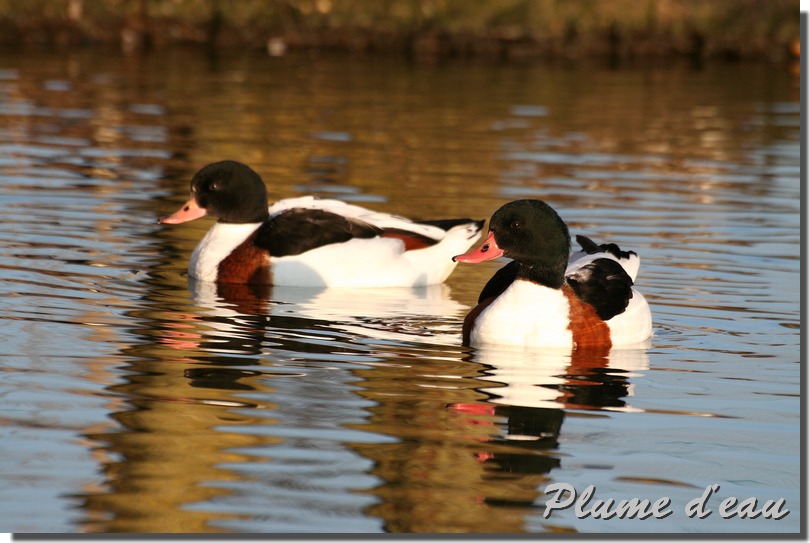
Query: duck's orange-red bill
(188, 212)
(488, 250)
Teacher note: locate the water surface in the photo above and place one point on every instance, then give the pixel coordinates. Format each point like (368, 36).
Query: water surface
(135, 400)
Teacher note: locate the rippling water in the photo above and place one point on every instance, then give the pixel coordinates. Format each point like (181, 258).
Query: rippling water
(133, 399)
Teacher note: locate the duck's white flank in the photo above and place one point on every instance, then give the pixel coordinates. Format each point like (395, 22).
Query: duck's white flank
(377, 262)
(632, 326)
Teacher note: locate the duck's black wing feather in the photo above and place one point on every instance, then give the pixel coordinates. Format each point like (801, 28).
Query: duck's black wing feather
(603, 284)
(298, 230)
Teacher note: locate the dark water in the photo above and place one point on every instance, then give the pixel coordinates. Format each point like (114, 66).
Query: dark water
(132, 400)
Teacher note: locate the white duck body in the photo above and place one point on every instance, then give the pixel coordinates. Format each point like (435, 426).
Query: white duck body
(527, 314)
(548, 296)
(359, 262)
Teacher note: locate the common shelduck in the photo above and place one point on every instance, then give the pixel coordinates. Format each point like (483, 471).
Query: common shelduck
(311, 242)
(546, 298)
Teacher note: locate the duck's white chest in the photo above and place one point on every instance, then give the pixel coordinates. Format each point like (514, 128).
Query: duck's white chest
(525, 314)
(218, 243)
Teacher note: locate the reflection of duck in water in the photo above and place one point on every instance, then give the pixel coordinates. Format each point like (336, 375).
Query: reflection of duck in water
(388, 314)
(588, 378)
(545, 298)
(308, 242)
(532, 390)
(565, 316)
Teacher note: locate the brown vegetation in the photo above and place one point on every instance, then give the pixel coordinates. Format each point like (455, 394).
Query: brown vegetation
(497, 28)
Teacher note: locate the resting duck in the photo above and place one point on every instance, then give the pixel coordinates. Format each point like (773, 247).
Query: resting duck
(309, 242)
(543, 297)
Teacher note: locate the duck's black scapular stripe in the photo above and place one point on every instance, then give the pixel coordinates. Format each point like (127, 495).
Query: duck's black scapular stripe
(299, 230)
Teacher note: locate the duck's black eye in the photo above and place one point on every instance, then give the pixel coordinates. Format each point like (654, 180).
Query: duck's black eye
(516, 224)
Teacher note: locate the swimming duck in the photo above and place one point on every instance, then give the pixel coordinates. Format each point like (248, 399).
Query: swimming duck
(545, 297)
(311, 242)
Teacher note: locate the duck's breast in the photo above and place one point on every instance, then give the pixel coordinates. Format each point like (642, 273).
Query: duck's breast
(525, 314)
(218, 244)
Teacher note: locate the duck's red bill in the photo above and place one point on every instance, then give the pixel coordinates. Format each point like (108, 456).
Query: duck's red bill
(488, 250)
(188, 212)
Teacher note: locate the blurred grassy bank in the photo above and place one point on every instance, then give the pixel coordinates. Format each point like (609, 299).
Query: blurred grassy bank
(731, 29)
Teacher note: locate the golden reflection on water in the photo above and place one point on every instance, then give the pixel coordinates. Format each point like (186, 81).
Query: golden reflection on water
(174, 415)
(472, 458)
(466, 458)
